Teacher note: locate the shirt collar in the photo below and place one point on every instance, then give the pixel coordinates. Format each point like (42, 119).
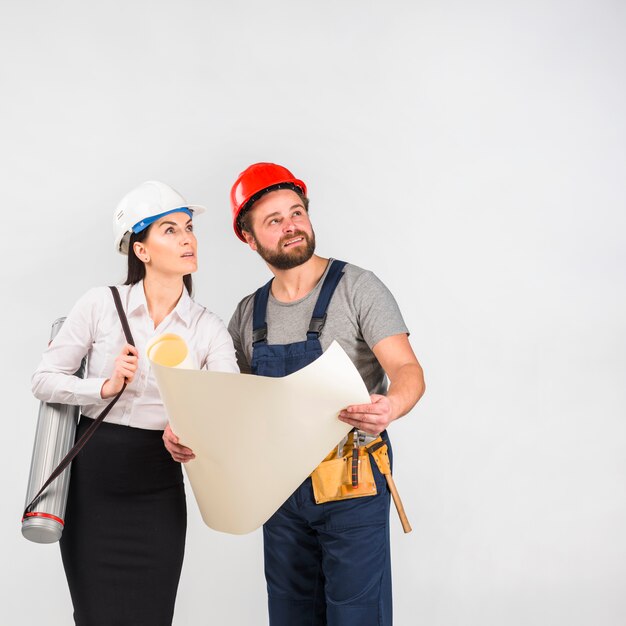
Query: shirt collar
(137, 301)
(137, 298)
(183, 307)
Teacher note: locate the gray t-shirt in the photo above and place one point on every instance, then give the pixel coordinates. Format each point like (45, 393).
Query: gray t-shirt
(362, 311)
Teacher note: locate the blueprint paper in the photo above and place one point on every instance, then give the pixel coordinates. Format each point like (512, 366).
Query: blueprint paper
(255, 438)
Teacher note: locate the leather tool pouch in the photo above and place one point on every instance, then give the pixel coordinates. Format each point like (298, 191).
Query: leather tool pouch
(341, 478)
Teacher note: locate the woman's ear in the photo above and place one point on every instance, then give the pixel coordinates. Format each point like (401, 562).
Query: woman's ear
(140, 252)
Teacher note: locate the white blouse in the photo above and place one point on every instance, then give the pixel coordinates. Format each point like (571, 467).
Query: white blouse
(93, 328)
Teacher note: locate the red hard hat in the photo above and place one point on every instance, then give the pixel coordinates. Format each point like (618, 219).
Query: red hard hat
(255, 179)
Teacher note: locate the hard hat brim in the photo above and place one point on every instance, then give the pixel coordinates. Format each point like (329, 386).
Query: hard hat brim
(121, 244)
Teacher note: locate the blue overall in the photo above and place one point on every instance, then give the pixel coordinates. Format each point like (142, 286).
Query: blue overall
(325, 564)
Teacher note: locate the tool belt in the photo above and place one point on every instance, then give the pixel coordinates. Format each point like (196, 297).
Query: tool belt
(347, 473)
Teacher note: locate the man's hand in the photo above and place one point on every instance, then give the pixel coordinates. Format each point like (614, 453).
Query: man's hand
(406, 387)
(179, 453)
(371, 418)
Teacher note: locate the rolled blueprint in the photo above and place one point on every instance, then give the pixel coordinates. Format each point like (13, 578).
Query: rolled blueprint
(171, 351)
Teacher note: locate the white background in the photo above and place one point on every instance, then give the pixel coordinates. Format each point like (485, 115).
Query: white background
(471, 153)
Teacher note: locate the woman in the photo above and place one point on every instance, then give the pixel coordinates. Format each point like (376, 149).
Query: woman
(124, 538)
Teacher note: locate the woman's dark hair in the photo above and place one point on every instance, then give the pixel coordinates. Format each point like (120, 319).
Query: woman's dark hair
(137, 269)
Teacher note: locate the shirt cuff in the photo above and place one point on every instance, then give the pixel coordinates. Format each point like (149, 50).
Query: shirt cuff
(88, 390)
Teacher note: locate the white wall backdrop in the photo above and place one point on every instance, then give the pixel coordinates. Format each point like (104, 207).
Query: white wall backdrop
(473, 154)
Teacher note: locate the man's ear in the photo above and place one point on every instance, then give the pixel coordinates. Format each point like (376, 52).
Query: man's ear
(250, 240)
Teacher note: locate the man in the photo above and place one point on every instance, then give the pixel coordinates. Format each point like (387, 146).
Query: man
(324, 563)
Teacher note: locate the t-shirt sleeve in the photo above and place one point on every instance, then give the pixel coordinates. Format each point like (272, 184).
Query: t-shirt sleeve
(236, 332)
(377, 310)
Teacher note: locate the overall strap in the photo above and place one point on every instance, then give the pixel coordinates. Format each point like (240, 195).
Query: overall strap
(259, 325)
(78, 446)
(328, 289)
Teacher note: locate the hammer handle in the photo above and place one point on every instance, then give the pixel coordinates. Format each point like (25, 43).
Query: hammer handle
(406, 527)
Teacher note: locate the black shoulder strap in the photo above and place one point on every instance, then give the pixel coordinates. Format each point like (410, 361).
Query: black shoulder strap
(78, 446)
(123, 318)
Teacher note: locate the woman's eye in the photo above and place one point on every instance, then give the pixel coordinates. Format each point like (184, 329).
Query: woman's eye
(169, 230)
(190, 228)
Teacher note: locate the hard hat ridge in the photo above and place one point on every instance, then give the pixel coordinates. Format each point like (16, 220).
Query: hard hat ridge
(256, 180)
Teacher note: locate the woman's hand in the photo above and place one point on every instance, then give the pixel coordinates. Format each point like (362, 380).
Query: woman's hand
(179, 453)
(124, 372)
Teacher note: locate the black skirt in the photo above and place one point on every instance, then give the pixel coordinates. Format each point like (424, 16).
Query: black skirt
(124, 536)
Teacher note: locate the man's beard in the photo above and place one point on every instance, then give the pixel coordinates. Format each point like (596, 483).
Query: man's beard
(287, 259)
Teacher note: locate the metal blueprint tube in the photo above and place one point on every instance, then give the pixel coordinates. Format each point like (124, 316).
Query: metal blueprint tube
(56, 430)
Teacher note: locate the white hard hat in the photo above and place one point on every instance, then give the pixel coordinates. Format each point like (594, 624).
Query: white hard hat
(151, 199)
